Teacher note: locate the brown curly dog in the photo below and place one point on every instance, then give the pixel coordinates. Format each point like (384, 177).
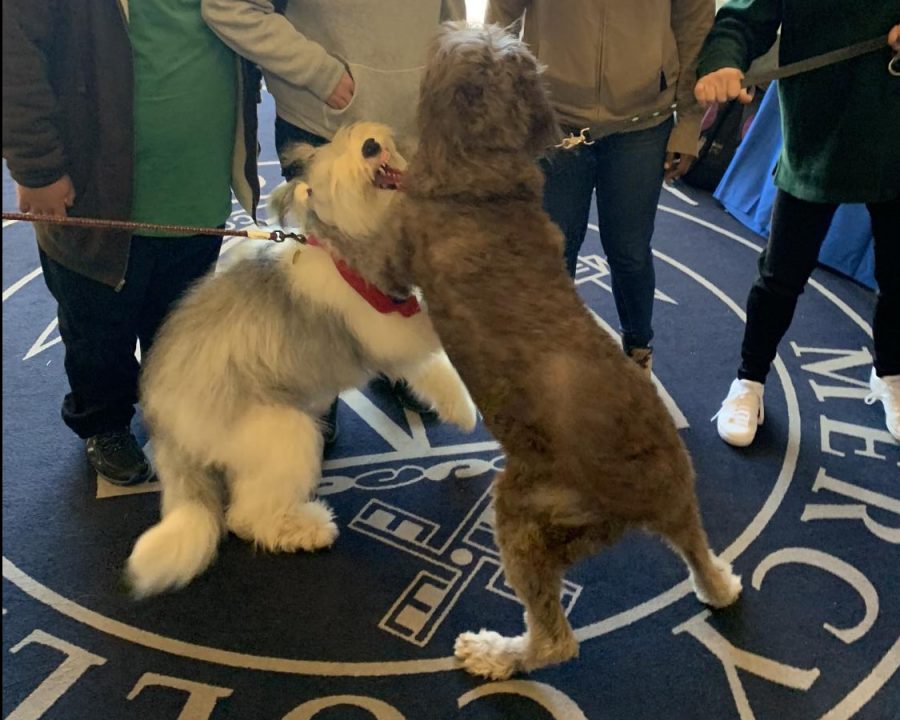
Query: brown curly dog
(591, 450)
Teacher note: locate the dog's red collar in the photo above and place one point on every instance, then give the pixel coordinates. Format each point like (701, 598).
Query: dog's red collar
(384, 304)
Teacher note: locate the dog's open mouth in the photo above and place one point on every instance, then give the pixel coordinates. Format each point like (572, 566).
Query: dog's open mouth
(387, 178)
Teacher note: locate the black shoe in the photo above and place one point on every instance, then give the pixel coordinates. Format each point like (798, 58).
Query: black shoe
(118, 458)
(329, 423)
(408, 399)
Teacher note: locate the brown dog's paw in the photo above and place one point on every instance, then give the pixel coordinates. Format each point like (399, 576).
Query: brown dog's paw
(489, 654)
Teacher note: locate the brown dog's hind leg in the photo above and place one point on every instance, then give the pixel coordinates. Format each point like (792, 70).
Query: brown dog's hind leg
(535, 572)
(712, 578)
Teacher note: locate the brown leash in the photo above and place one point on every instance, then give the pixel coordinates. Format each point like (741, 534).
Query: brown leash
(252, 233)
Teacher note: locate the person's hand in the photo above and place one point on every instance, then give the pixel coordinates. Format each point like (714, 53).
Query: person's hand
(894, 38)
(51, 199)
(342, 94)
(720, 86)
(676, 165)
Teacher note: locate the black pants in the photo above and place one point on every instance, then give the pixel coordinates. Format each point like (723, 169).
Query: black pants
(100, 326)
(798, 231)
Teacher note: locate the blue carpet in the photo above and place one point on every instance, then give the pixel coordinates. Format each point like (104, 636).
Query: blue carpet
(809, 516)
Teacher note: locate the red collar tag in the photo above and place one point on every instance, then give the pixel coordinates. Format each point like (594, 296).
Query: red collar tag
(384, 304)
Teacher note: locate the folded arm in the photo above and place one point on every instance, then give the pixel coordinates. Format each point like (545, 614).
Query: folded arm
(254, 30)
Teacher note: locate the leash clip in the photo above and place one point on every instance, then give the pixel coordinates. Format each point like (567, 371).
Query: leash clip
(280, 236)
(582, 138)
(894, 65)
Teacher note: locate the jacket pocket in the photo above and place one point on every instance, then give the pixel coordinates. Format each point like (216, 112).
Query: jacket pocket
(383, 96)
(671, 65)
(635, 74)
(570, 52)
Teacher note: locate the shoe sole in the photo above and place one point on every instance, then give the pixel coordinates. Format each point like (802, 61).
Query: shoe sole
(140, 479)
(735, 443)
(738, 442)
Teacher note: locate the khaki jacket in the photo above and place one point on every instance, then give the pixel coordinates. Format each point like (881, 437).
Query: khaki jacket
(610, 60)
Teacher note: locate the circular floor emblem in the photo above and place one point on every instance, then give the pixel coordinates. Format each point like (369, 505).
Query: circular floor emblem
(808, 516)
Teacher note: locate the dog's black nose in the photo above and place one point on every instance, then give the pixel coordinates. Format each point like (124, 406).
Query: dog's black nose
(370, 148)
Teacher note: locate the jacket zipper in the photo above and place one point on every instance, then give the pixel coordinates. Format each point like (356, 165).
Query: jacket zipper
(123, 13)
(600, 36)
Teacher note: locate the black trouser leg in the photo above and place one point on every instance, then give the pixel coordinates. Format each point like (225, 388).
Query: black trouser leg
(798, 231)
(886, 324)
(100, 326)
(175, 268)
(99, 330)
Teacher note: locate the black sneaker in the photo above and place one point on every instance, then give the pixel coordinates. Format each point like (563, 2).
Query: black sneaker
(329, 424)
(409, 400)
(117, 456)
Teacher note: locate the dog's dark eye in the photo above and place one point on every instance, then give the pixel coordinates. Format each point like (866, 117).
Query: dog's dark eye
(370, 148)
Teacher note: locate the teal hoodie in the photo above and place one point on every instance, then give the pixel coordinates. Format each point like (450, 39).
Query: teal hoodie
(841, 123)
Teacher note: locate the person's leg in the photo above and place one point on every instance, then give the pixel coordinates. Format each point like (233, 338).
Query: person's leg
(98, 326)
(885, 378)
(886, 324)
(798, 230)
(629, 179)
(177, 262)
(568, 186)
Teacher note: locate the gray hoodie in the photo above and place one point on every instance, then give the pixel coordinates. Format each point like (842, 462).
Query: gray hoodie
(304, 52)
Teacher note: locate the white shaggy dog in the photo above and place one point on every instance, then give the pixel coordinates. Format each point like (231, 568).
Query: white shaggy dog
(253, 355)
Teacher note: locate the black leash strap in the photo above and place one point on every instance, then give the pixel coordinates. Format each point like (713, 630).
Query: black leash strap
(815, 62)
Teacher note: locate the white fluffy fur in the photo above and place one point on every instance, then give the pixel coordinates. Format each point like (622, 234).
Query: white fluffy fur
(341, 180)
(208, 394)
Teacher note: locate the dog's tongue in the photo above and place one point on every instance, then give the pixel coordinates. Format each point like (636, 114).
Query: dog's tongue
(388, 178)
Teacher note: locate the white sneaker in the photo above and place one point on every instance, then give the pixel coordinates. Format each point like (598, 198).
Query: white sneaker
(887, 389)
(741, 413)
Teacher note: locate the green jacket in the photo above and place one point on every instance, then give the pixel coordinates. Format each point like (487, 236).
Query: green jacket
(68, 89)
(841, 123)
(609, 60)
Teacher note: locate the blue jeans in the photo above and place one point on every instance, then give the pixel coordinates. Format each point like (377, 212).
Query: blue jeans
(626, 170)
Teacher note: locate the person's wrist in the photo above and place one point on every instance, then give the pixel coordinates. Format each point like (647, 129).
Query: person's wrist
(327, 78)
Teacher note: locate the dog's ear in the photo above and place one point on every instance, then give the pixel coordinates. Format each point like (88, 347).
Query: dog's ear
(295, 158)
(515, 27)
(290, 196)
(545, 129)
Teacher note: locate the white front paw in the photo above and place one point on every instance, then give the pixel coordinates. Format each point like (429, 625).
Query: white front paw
(461, 412)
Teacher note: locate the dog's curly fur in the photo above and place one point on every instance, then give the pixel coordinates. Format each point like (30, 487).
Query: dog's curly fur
(591, 450)
(252, 356)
